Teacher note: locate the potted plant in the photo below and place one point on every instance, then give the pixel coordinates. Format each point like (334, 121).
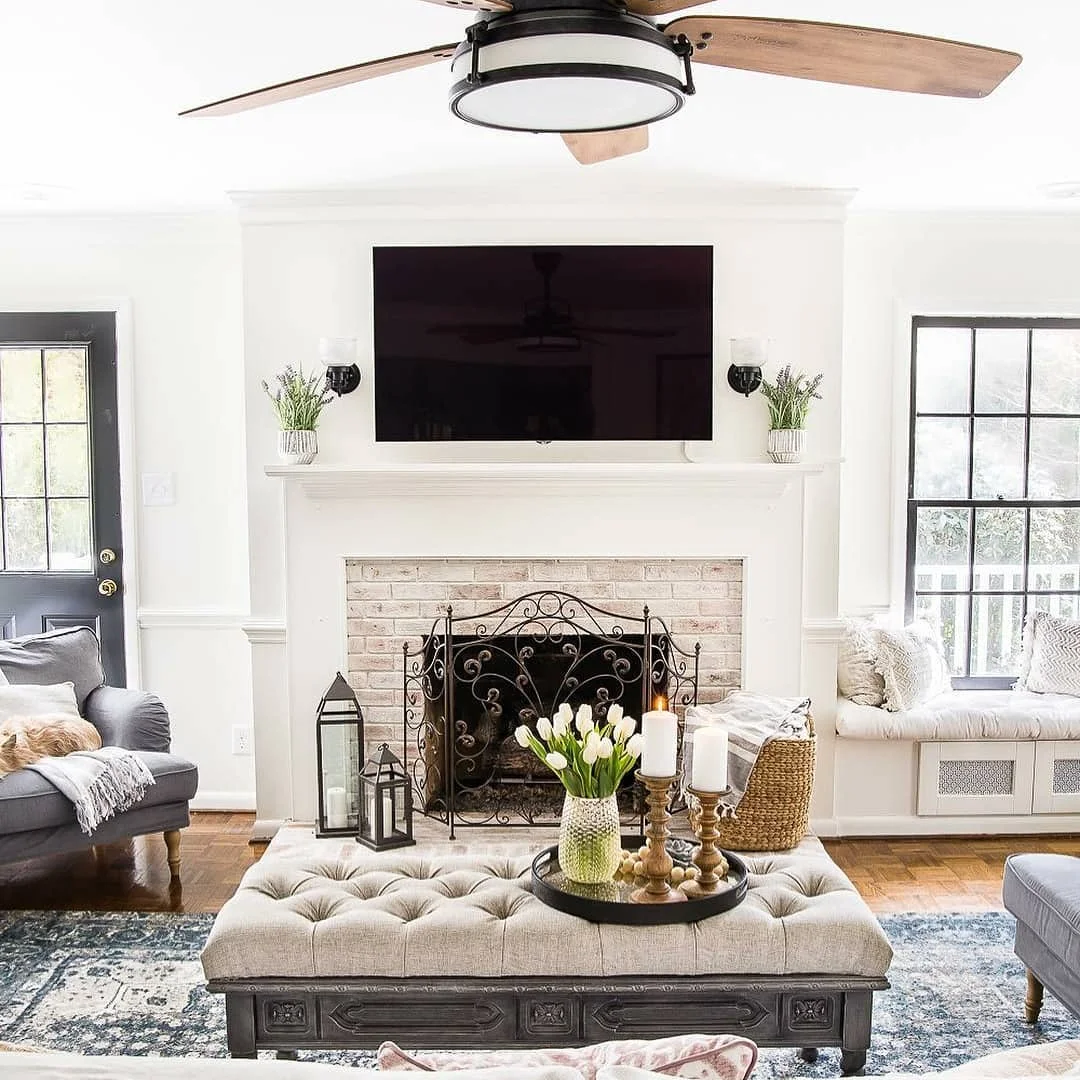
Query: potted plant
(298, 399)
(789, 399)
(591, 764)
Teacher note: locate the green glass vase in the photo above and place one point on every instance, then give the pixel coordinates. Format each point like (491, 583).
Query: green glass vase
(590, 847)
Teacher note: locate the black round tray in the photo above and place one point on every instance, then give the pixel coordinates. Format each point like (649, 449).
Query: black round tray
(611, 903)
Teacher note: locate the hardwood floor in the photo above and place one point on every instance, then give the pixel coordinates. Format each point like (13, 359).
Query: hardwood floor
(924, 874)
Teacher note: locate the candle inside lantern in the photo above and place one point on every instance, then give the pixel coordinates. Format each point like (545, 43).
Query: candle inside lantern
(337, 808)
(660, 741)
(708, 770)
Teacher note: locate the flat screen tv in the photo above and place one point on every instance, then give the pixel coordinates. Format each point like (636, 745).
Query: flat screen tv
(543, 343)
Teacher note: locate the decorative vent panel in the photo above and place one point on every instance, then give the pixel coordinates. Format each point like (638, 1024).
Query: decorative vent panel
(979, 778)
(1066, 776)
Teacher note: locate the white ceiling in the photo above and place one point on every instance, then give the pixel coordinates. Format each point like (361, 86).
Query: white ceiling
(89, 91)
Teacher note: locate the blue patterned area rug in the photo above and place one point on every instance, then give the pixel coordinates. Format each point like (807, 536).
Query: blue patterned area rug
(110, 984)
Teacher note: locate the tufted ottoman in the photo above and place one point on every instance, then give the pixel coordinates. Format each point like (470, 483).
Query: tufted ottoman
(455, 951)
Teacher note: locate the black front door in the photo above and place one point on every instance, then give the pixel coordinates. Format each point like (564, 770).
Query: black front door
(61, 557)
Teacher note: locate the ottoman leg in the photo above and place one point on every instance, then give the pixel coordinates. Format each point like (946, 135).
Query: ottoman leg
(1034, 999)
(855, 1031)
(172, 845)
(809, 1054)
(240, 1025)
(287, 1055)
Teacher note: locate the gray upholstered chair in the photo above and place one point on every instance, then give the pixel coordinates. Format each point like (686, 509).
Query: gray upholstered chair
(35, 819)
(1043, 892)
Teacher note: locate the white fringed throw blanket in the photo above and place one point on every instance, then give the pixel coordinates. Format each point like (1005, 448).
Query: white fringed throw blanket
(99, 783)
(750, 720)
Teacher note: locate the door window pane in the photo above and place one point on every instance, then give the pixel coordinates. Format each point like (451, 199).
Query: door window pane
(942, 548)
(24, 535)
(1055, 371)
(1054, 555)
(65, 384)
(1001, 370)
(1054, 463)
(998, 463)
(22, 460)
(20, 385)
(69, 534)
(943, 376)
(68, 460)
(996, 637)
(999, 549)
(941, 458)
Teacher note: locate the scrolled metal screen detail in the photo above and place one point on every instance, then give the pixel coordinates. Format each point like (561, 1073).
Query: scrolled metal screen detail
(968, 777)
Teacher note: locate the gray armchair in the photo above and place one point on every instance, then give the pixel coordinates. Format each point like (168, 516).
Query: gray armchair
(35, 819)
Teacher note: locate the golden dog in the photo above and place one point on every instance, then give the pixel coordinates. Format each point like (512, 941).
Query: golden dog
(26, 739)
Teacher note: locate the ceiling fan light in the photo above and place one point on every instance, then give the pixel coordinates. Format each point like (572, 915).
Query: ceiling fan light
(566, 72)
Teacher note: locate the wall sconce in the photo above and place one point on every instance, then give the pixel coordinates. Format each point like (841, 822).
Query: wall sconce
(748, 356)
(339, 356)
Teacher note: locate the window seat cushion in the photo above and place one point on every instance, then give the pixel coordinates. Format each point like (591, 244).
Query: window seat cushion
(963, 715)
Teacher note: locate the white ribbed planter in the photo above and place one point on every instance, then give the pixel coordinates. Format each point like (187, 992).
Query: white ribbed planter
(785, 445)
(297, 447)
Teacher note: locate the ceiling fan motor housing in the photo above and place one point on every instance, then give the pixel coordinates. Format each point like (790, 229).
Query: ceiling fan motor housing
(559, 69)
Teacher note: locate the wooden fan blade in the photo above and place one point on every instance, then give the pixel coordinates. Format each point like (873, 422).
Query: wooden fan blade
(655, 7)
(327, 80)
(591, 147)
(484, 5)
(853, 55)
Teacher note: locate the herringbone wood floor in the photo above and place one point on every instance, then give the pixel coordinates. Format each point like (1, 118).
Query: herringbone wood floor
(947, 874)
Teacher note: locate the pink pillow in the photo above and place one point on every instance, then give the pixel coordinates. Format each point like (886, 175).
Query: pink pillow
(696, 1057)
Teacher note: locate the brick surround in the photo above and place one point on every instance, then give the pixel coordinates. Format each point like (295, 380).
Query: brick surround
(391, 601)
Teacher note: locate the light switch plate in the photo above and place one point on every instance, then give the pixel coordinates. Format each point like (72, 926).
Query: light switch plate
(158, 489)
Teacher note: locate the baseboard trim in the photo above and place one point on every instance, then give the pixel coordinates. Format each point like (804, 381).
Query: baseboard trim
(234, 801)
(986, 825)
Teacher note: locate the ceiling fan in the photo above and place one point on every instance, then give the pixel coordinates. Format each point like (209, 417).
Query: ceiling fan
(599, 71)
(547, 324)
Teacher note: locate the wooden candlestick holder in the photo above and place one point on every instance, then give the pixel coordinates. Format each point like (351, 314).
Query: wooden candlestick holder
(707, 857)
(657, 860)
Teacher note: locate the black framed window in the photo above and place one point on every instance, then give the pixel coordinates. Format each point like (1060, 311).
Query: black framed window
(993, 524)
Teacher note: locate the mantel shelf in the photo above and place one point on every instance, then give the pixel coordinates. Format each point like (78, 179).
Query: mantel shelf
(745, 479)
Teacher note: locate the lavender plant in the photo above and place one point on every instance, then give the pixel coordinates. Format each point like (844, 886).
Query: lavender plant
(298, 399)
(789, 397)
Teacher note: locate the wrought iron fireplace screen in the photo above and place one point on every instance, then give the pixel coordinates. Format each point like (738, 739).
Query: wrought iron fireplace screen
(488, 673)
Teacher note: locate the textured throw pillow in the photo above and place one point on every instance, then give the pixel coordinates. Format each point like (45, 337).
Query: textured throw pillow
(698, 1057)
(1051, 660)
(26, 700)
(911, 661)
(856, 677)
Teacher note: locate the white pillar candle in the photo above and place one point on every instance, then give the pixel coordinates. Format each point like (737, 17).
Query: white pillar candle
(708, 770)
(337, 808)
(660, 743)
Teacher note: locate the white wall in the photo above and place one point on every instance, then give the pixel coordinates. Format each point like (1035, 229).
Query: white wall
(307, 273)
(176, 281)
(896, 266)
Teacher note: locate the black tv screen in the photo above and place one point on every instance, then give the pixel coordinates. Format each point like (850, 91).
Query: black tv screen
(543, 343)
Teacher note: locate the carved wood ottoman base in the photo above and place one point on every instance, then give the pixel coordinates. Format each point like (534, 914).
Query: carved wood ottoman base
(805, 1012)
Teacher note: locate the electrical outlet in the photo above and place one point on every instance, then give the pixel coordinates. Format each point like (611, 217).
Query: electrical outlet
(242, 739)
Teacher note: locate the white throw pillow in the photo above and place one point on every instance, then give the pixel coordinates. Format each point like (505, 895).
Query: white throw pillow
(1051, 660)
(911, 662)
(856, 677)
(25, 699)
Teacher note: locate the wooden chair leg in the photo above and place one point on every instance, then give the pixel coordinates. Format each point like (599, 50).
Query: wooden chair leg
(172, 844)
(1034, 999)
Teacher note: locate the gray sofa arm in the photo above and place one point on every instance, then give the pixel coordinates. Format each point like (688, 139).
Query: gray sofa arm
(132, 719)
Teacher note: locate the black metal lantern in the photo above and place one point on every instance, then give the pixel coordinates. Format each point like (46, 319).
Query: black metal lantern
(339, 728)
(385, 802)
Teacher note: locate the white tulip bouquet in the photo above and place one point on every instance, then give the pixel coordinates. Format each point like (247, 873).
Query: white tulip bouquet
(592, 761)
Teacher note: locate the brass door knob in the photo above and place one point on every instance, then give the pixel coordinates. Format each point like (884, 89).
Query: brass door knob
(107, 587)
(107, 556)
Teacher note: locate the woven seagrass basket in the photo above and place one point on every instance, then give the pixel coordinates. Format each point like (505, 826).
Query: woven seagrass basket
(775, 810)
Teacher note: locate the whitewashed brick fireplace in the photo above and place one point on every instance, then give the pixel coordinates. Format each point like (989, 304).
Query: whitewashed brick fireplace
(373, 554)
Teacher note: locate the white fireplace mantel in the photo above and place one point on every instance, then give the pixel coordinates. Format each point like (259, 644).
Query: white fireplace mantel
(760, 480)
